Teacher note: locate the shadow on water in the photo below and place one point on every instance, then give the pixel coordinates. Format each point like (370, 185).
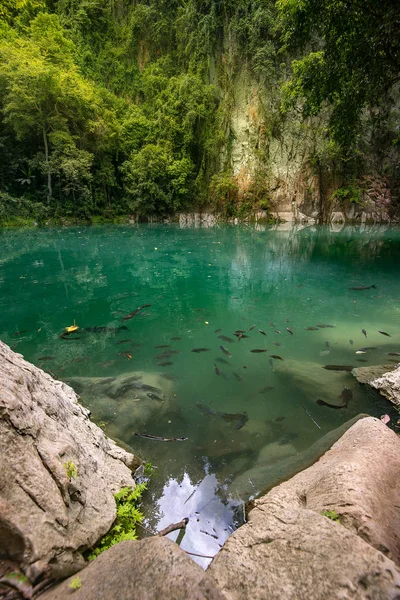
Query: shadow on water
(186, 367)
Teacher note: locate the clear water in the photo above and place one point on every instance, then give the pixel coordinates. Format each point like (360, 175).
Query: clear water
(199, 281)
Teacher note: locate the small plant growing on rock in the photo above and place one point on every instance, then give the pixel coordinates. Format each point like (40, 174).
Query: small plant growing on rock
(128, 516)
(331, 514)
(75, 584)
(71, 468)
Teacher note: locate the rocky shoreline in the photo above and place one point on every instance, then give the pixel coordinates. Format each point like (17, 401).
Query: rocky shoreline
(331, 531)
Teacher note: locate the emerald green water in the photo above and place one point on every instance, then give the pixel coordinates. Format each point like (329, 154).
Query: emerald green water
(199, 281)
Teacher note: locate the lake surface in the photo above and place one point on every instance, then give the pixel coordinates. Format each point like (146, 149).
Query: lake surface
(238, 409)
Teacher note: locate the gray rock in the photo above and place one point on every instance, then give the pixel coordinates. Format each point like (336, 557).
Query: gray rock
(289, 550)
(368, 374)
(48, 516)
(154, 568)
(388, 385)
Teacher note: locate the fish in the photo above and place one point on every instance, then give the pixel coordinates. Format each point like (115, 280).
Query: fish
(351, 342)
(162, 346)
(361, 352)
(280, 419)
(67, 336)
(225, 351)
(267, 388)
(384, 333)
(236, 376)
(311, 329)
(126, 354)
(201, 350)
(156, 438)
(338, 367)
(218, 330)
(277, 344)
(393, 360)
(46, 358)
(154, 397)
(240, 336)
(276, 356)
(393, 353)
(272, 325)
(20, 332)
(360, 288)
(361, 360)
(289, 330)
(327, 344)
(324, 403)
(104, 329)
(262, 332)
(206, 410)
(258, 350)
(217, 371)
(135, 312)
(165, 364)
(242, 421)
(222, 361)
(226, 338)
(368, 348)
(80, 359)
(324, 352)
(251, 328)
(107, 363)
(146, 387)
(364, 332)
(239, 331)
(175, 339)
(231, 417)
(123, 342)
(325, 326)
(277, 331)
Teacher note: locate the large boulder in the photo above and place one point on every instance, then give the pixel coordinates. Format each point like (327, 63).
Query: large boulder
(152, 569)
(386, 381)
(289, 550)
(59, 472)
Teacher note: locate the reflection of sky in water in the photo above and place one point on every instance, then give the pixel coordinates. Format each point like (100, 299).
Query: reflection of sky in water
(210, 520)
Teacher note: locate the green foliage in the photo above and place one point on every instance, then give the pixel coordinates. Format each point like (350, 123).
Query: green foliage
(128, 516)
(331, 514)
(350, 193)
(71, 468)
(149, 470)
(76, 583)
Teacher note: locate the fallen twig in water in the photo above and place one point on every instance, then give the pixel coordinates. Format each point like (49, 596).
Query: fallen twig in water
(173, 527)
(312, 419)
(160, 439)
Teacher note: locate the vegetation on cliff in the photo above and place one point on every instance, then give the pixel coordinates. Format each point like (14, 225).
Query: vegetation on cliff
(125, 106)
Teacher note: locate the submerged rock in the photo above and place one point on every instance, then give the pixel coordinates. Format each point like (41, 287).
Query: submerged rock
(59, 472)
(368, 374)
(152, 568)
(289, 550)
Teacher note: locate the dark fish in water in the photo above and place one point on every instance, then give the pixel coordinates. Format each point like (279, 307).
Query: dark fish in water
(364, 332)
(258, 350)
(267, 388)
(226, 338)
(236, 376)
(277, 344)
(324, 403)
(361, 360)
(135, 312)
(123, 342)
(241, 336)
(201, 350)
(325, 326)
(146, 388)
(384, 333)
(311, 329)
(262, 332)
(393, 353)
(126, 354)
(242, 421)
(351, 342)
(46, 358)
(206, 410)
(280, 419)
(175, 339)
(324, 352)
(272, 325)
(67, 336)
(154, 397)
(238, 331)
(217, 371)
(225, 351)
(231, 417)
(162, 346)
(107, 363)
(338, 367)
(276, 356)
(327, 344)
(289, 330)
(80, 359)
(218, 330)
(277, 331)
(20, 332)
(393, 360)
(359, 288)
(160, 439)
(222, 361)
(103, 329)
(251, 328)
(165, 364)
(368, 348)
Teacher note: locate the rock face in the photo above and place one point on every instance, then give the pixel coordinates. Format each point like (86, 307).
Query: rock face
(155, 568)
(58, 471)
(387, 383)
(373, 372)
(289, 550)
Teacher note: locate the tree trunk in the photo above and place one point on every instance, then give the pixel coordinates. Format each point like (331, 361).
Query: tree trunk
(46, 153)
